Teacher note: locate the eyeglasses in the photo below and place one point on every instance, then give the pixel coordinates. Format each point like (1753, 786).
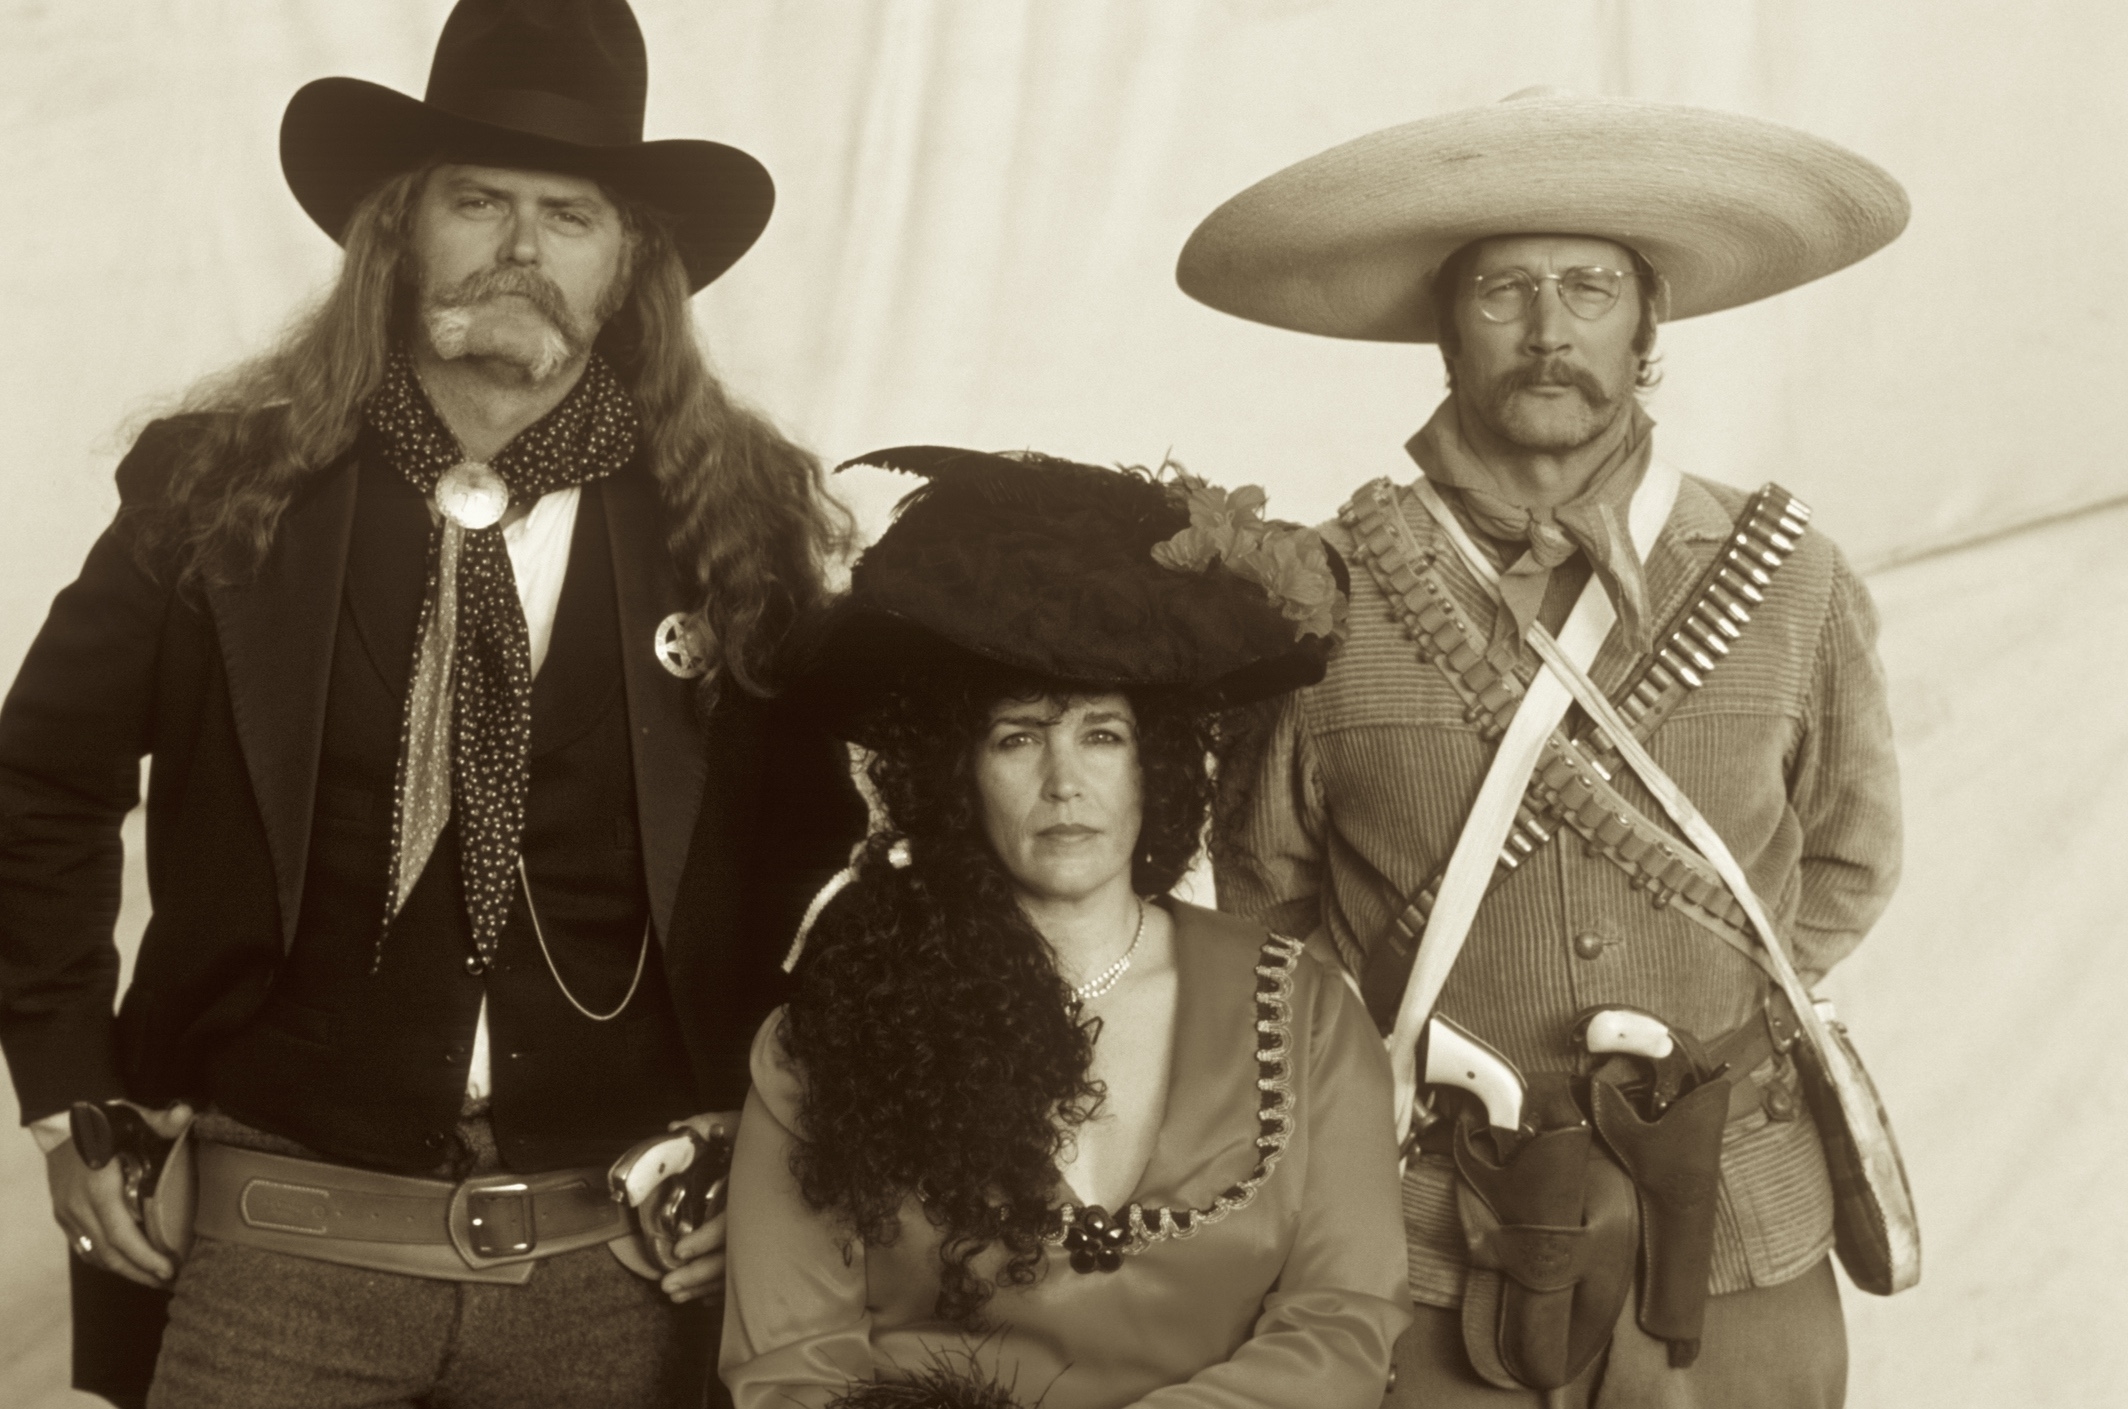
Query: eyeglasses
(1588, 291)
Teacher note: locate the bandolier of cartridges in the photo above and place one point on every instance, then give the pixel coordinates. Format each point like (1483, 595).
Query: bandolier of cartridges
(1572, 782)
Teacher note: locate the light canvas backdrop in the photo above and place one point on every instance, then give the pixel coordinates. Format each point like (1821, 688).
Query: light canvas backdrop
(980, 206)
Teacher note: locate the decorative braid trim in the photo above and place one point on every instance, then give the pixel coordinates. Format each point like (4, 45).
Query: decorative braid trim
(1274, 1118)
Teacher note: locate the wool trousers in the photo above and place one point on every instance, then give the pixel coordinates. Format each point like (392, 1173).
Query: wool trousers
(1781, 1347)
(252, 1328)
(255, 1329)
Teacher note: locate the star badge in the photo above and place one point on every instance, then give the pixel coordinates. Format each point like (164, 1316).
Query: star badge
(681, 647)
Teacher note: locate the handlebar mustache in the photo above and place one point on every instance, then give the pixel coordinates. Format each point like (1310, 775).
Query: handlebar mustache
(1555, 373)
(485, 284)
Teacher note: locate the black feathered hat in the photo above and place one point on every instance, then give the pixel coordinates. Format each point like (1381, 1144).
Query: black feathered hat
(1077, 576)
(543, 85)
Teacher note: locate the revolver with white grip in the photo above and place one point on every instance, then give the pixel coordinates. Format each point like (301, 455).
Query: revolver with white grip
(1629, 1030)
(1452, 1056)
(1632, 1033)
(671, 1185)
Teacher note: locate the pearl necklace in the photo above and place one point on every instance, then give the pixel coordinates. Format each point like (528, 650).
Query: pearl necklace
(1112, 975)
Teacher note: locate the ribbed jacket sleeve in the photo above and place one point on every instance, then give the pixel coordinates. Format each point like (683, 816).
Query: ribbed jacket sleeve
(1844, 786)
(1268, 844)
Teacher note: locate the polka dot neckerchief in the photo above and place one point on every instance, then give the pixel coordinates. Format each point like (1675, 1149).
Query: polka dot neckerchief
(465, 739)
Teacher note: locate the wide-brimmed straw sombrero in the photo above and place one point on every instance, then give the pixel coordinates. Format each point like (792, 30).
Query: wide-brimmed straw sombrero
(1727, 208)
(545, 85)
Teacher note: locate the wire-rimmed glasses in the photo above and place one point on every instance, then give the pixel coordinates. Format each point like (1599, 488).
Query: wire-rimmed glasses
(1587, 290)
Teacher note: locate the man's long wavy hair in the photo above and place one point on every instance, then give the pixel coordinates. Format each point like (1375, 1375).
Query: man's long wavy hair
(752, 528)
(943, 1057)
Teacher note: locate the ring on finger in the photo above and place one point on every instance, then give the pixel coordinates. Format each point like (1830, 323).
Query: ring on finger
(84, 1245)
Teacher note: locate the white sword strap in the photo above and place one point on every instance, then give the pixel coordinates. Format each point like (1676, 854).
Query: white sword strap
(1700, 832)
(1470, 865)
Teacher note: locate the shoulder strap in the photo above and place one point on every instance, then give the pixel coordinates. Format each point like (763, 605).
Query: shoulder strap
(1464, 882)
(1696, 640)
(1571, 789)
(1897, 1229)
(1471, 864)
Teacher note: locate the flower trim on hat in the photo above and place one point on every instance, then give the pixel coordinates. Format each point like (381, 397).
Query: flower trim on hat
(1097, 1239)
(1289, 563)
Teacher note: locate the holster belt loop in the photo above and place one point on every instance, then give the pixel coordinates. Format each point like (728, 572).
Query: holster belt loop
(1744, 1048)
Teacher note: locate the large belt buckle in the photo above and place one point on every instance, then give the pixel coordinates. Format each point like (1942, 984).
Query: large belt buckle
(500, 1222)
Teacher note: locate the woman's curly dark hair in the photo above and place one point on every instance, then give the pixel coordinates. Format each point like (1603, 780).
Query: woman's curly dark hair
(942, 1053)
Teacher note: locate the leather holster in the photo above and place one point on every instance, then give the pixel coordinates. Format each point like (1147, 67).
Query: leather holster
(1553, 1230)
(166, 1215)
(1675, 1163)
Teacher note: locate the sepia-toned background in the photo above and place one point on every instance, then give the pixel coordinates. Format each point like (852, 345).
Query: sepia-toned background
(980, 206)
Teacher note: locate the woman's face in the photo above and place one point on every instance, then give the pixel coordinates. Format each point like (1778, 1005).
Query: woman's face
(1060, 791)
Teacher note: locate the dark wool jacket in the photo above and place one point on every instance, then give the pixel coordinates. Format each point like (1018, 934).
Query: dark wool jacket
(741, 817)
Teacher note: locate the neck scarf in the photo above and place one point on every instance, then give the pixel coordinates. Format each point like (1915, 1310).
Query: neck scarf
(1594, 522)
(465, 739)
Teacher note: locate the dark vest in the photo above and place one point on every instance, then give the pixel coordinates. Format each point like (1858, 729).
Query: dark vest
(362, 1053)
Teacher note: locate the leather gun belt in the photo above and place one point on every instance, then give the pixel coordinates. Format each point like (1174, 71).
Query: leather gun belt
(487, 1229)
(1570, 786)
(1740, 1052)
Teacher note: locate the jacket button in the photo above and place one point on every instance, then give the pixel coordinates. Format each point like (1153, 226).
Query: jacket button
(434, 1139)
(1590, 945)
(475, 965)
(1780, 1104)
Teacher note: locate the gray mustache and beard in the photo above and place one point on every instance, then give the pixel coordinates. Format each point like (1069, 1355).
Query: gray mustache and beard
(476, 318)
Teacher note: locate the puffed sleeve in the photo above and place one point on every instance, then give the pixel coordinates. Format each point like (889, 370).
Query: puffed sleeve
(1328, 1327)
(796, 1328)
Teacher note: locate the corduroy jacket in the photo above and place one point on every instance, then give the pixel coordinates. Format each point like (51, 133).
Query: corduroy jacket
(1355, 792)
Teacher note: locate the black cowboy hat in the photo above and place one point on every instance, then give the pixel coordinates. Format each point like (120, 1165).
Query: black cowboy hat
(543, 85)
(1044, 570)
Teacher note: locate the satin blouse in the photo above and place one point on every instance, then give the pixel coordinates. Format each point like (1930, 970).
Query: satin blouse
(1288, 1288)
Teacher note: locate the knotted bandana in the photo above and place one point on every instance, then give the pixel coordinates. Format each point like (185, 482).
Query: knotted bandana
(465, 739)
(1595, 521)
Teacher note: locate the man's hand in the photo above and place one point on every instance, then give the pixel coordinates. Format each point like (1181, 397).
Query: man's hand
(703, 1276)
(90, 1207)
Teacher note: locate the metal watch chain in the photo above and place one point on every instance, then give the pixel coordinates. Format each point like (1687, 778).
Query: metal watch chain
(641, 956)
